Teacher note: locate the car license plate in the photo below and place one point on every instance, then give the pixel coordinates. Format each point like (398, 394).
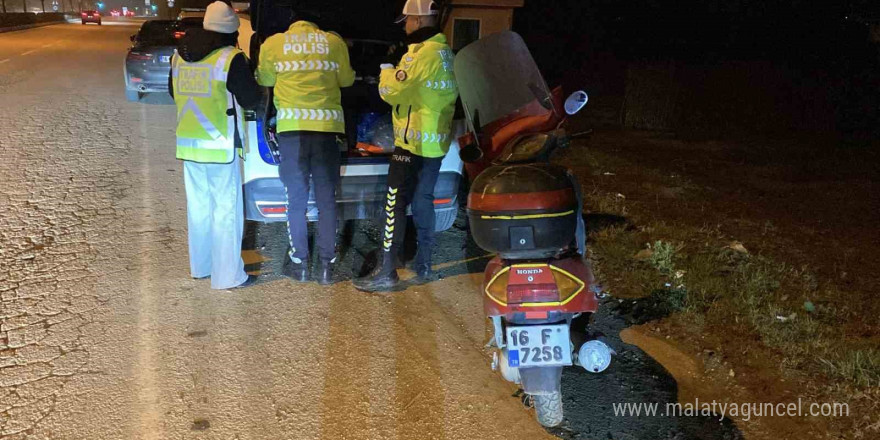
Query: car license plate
(538, 346)
(165, 59)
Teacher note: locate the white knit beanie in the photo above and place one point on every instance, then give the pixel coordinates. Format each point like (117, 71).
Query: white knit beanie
(219, 17)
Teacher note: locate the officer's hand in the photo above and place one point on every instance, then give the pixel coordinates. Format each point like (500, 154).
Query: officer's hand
(386, 66)
(396, 52)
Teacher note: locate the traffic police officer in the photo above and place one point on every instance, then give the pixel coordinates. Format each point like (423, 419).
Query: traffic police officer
(422, 92)
(210, 81)
(307, 67)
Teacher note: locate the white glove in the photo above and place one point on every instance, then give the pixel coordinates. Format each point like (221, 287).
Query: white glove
(386, 66)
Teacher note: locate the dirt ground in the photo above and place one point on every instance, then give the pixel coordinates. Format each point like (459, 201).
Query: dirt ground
(808, 204)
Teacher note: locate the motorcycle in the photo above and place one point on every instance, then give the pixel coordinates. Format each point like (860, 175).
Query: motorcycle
(537, 290)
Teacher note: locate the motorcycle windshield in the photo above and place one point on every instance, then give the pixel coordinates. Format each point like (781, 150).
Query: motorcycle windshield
(497, 78)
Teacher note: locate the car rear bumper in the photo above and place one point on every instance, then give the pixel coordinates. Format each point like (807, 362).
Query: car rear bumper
(146, 80)
(358, 197)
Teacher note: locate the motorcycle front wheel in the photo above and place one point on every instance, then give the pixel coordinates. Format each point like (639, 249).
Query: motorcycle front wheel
(548, 408)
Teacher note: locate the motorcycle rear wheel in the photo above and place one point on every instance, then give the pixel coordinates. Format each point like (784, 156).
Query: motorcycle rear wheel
(548, 409)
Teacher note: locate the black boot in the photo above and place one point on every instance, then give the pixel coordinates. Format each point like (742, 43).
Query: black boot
(298, 272)
(382, 279)
(325, 272)
(422, 267)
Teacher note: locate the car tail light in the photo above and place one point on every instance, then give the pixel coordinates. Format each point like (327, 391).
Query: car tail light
(139, 56)
(272, 210)
(84, 14)
(179, 34)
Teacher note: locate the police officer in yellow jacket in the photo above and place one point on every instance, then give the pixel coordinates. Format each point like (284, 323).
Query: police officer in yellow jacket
(209, 81)
(307, 66)
(422, 92)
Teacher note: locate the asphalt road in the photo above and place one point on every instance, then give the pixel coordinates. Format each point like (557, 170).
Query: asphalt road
(103, 335)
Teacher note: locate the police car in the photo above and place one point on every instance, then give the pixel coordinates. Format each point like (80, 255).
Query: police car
(361, 192)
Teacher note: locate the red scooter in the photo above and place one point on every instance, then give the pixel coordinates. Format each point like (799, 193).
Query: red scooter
(537, 290)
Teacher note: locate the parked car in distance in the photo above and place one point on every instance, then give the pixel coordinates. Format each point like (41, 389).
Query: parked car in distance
(149, 59)
(115, 13)
(129, 13)
(91, 16)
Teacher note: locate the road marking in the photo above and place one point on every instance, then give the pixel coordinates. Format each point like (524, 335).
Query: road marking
(49, 45)
(3, 61)
(28, 52)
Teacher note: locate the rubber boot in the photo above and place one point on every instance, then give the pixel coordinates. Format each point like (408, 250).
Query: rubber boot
(422, 267)
(298, 272)
(325, 272)
(382, 279)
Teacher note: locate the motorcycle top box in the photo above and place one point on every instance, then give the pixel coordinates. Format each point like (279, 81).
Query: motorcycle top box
(523, 210)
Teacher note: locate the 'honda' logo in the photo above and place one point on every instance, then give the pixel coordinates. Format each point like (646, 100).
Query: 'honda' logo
(529, 271)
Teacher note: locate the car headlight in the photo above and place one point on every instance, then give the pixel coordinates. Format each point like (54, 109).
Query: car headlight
(524, 148)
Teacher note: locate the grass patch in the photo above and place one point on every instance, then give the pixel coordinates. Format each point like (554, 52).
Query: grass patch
(697, 272)
(859, 367)
(663, 255)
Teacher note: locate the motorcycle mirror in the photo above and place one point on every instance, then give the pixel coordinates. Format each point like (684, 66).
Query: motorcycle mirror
(576, 101)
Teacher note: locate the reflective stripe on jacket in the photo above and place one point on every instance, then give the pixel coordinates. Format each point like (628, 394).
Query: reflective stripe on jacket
(205, 124)
(422, 93)
(307, 66)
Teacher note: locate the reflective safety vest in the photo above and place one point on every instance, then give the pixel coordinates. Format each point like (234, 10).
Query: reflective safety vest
(307, 66)
(206, 111)
(422, 93)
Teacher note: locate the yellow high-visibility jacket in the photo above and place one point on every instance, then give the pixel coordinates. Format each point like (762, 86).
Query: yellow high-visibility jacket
(205, 122)
(422, 93)
(307, 66)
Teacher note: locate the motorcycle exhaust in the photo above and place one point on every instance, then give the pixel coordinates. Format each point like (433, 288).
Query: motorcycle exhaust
(142, 88)
(594, 356)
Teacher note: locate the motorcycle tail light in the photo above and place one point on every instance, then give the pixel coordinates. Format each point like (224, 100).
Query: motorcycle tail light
(567, 284)
(497, 288)
(535, 293)
(533, 287)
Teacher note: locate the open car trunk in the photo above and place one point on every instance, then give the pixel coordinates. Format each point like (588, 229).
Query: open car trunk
(368, 128)
(370, 32)
(362, 188)
(367, 117)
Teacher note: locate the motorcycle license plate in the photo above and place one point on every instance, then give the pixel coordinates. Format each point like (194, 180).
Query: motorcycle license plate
(538, 346)
(165, 59)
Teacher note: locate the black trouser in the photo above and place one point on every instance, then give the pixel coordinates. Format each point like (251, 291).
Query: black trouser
(411, 179)
(305, 154)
